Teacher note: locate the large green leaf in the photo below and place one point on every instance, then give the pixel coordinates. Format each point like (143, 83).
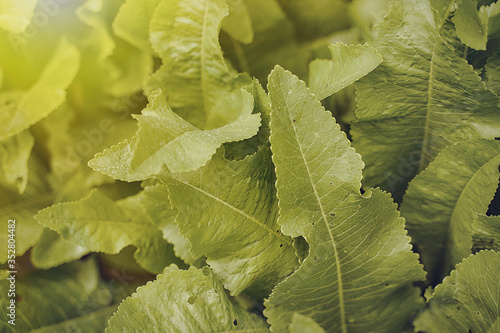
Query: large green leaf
(467, 300)
(486, 233)
(194, 75)
(21, 109)
(16, 16)
(165, 139)
(422, 98)
(14, 156)
(183, 301)
(234, 203)
(441, 202)
(348, 282)
(349, 63)
(69, 295)
(102, 225)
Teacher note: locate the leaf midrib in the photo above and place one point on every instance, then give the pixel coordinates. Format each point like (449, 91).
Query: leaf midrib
(239, 211)
(430, 90)
(323, 215)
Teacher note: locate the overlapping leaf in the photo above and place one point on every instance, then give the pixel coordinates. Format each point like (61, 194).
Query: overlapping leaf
(21, 109)
(422, 98)
(347, 283)
(165, 139)
(441, 203)
(102, 225)
(194, 75)
(234, 203)
(23, 207)
(349, 63)
(467, 300)
(184, 301)
(486, 233)
(69, 295)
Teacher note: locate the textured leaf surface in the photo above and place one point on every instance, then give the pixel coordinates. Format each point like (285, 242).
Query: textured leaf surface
(349, 63)
(185, 33)
(101, 225)
(67, 295)
(347, 283)
(183, 301)
(486, 233)
(164, 138)
(23, 109)
(467, 300)
(14, 156)
(422, 98)
(469, 26)
(441, 203)
(16, 16)
(234, 203)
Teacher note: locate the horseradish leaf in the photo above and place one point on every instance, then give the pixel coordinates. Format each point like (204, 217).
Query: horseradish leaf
(184, 301)
(441, 202)
(234, 203)
(467, 300)
(347, 283)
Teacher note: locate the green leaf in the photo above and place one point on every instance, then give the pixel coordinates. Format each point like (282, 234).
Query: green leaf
(492, 71)
(183, 301)
(16, 16)
(422, 98)
(441, 202)
(347, 283)
(52, 250)
(93, 322)
(470, 29)
(238, 24)
(102, 225)
(14, 156)
(274, 33)
(22, 208)
(234, 203)
(23, 109)
(70, 295)
(156, 202)
(486, 233)
(313, 19)
(185, 33)
(164, 138)
(349, 63)
(467, 300)
(303, 324)
(132, 22)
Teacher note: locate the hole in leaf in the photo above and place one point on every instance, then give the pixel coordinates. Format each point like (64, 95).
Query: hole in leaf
(281, 245)
(191, 300)
(332, 214)
(235, 322)
(206, 271)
